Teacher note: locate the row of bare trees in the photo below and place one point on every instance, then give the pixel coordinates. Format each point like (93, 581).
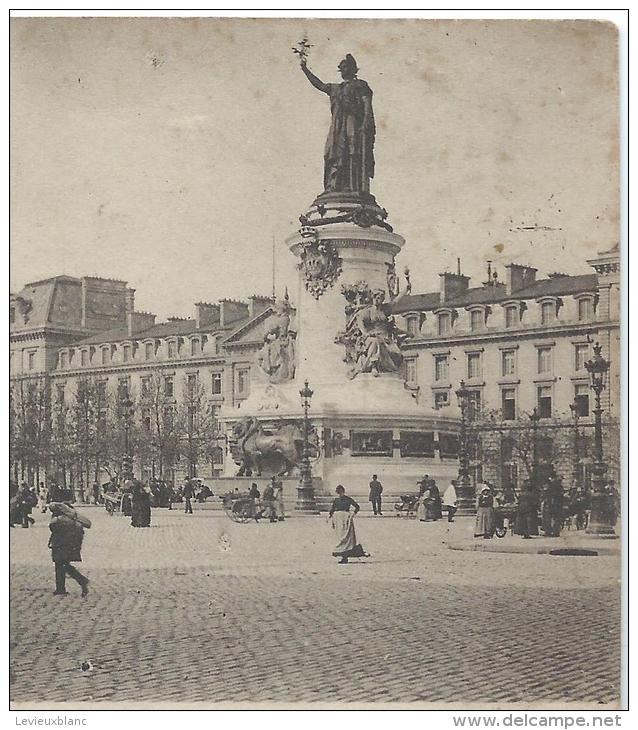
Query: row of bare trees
(78, 438)
(538, 447)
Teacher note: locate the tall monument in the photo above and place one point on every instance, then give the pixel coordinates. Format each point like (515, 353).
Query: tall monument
(347, 345)
(346, 250)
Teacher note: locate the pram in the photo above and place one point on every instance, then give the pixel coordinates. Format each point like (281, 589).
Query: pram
(407, 506)
(112, 503)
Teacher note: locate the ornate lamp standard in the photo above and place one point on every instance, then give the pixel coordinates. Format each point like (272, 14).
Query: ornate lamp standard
(465, 492)
(600, 522)
(305, 490)
(573, 407)
(127, 414)
(535, 417)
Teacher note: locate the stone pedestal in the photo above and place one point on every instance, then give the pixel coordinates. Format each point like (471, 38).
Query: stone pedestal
(365, 255)
(600, 520)
(342, 407)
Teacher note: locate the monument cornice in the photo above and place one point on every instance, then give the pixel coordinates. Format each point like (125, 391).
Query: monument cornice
(345, 235)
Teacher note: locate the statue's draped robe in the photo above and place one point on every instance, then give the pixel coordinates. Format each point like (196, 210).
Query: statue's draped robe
(349, 151)
(379, 350)
(277, 355)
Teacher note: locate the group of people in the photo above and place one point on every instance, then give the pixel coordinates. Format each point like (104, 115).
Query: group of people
(550, 501)
(430, 503)
(136, 498)
(66, 527)
(270, 504)
(22, 501)
(190, 489)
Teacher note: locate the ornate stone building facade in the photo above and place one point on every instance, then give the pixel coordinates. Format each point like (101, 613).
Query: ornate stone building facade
(519, 345)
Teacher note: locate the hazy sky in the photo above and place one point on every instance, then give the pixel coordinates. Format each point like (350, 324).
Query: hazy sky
(168, 152)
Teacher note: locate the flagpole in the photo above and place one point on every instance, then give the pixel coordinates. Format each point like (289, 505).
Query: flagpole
(273, 267)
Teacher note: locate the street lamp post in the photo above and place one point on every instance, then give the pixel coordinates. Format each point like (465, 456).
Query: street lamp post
(465, 493)
(305, 490)
(535, 417)
(600, 522)
(127, 461)
(576, 470)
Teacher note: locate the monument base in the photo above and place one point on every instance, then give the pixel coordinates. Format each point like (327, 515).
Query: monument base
(370, 425)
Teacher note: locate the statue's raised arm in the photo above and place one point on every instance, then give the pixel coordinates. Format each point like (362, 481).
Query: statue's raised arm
(314, 80)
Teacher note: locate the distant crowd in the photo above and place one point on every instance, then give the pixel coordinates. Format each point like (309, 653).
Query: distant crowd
(548, 508)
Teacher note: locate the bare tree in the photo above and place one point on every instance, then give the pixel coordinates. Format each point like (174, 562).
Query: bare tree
(30, 428)
(196, 423)
(527, 441)
(158, 440)
(62, 451)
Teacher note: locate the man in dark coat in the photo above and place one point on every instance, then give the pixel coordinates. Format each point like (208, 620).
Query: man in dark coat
(66, 544)
(187, 493)
(553, 507)
(376, 489)
(268, 503)
(27, 500)
(526, 523)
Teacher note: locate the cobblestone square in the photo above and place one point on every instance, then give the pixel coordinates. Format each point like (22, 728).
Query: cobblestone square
(198, 609)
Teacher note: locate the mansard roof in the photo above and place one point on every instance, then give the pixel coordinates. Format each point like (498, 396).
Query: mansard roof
(50, 302)
(117, 334)
(176, 328)
(553, 286)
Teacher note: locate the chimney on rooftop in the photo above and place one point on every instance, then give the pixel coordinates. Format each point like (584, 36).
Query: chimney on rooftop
(453, 285)
(129, 300)
(257, 304)
(206, 314)
(138, 321)
(519, 277)
(231, 312)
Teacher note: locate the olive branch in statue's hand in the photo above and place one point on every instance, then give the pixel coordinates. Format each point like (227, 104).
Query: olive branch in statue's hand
(302, 49)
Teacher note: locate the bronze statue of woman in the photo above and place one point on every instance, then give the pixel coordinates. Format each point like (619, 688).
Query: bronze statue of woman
(349, 152)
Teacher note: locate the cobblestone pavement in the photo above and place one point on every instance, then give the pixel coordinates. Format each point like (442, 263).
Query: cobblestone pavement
(200, 609)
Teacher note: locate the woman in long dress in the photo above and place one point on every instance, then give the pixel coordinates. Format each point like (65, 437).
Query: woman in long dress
(343, 525)
(485, 517)
(140, 507)
(279, 500)
(526, 522)
(429, 502)
(435, 504)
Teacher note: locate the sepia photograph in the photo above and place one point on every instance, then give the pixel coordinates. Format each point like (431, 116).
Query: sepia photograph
(315, 364)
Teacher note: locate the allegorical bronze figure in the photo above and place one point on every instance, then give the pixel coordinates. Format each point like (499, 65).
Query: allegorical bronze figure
(349, 152)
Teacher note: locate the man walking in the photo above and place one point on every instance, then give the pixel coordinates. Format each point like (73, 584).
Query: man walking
(187, 493)
(65, 542)
(268, 503)
(376, 488)
(449, 500)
